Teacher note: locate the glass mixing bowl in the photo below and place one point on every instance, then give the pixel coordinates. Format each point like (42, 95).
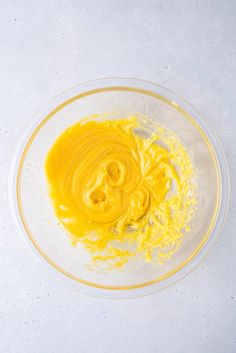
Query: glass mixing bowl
(32, 209)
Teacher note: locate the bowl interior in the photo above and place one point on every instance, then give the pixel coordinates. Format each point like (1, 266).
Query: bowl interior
(35, 206)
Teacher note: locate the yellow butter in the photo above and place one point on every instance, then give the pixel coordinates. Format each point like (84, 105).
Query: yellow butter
(120, 194)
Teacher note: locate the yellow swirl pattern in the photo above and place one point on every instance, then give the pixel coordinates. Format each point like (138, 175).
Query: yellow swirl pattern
(118, 193)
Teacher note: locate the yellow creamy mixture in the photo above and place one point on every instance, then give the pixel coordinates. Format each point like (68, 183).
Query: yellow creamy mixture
(120, 194)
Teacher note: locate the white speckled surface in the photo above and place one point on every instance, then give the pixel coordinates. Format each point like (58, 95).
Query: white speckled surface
(49, 46)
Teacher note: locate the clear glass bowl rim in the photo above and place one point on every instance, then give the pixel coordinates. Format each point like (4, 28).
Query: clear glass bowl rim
(224, 184)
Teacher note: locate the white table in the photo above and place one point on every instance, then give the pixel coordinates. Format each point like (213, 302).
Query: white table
(49, 46)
